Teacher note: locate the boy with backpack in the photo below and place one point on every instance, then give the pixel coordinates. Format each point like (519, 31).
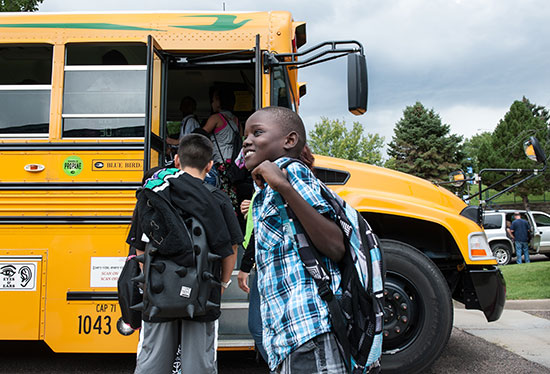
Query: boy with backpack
(299, 335)
(212, 229)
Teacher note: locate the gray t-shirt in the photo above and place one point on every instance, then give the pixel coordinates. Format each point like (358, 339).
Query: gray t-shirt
(188, 124)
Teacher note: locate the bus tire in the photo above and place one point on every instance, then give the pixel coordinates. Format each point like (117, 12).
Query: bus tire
(418, 316)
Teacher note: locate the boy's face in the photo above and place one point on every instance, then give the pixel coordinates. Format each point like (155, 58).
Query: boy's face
(264, 140)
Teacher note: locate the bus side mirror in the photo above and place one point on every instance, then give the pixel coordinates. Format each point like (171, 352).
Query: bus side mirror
(533, 150)
(357, 84)
(458, 177)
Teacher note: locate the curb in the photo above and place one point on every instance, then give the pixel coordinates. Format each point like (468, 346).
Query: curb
(531, 305)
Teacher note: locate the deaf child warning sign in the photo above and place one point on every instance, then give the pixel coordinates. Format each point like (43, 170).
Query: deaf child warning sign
(104, 271)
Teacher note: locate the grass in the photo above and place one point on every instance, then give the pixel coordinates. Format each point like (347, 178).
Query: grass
(527, 281)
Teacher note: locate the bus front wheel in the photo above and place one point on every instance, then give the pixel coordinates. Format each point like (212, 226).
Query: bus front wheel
(418, 315)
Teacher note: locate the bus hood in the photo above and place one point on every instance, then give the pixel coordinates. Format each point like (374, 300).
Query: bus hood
(377, 189)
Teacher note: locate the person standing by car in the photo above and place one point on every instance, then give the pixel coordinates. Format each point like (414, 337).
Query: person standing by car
(520, 233)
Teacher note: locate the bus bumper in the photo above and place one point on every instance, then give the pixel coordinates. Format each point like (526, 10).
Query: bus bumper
(487, 291)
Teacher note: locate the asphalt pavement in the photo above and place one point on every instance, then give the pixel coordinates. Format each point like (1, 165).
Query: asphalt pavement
(519, 342)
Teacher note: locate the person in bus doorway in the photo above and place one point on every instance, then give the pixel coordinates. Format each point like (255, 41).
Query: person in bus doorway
(222, 126)
(520, 230)
(296, 325)
(197, 336)
(188, 106)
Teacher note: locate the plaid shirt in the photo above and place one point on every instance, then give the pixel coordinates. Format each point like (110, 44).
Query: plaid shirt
(291, 308)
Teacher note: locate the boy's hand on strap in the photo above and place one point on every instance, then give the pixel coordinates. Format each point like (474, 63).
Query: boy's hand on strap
(324, 233)
(268, 172)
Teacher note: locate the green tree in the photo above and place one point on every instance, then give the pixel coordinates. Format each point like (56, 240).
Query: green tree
(537, 110)
(423, 146)
(333, 138)
(19, 5)
(472, 148)
(505, 149)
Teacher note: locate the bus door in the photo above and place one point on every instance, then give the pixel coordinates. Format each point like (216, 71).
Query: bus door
(154, 151)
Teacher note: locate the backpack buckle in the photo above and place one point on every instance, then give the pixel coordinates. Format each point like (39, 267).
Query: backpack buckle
(324, 291)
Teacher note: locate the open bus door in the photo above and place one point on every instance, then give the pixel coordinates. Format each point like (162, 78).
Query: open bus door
(154, 145)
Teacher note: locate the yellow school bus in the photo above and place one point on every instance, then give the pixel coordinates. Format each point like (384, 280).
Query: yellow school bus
(86, 101)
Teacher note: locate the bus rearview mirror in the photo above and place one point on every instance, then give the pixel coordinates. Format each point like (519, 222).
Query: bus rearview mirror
(533, 150)
(357, 83)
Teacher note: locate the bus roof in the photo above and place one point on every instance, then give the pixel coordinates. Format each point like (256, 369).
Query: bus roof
(172, 30)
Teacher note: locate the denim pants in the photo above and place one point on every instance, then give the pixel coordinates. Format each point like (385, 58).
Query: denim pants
(319, 355)
(522, 248)
(254, 316)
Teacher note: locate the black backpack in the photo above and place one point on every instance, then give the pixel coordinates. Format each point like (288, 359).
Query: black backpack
(356, 315)
(172, 290)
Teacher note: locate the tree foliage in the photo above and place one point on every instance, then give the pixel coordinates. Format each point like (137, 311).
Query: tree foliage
(423, 146)
(333, 138)
(537, 110)
(472, 148)
(19, 5)
(505, 148)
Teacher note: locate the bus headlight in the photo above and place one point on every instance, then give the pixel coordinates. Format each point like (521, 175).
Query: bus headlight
(478, 247)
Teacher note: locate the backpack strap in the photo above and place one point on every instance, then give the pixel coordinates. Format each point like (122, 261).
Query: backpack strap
(227, 122)
(313, 263)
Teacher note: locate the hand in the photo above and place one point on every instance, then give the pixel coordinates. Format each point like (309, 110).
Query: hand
(245, 205)
(242, 279)
(268, 172)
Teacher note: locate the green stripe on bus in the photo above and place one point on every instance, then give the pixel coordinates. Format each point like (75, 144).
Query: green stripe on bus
(93, 26)
(223, 22)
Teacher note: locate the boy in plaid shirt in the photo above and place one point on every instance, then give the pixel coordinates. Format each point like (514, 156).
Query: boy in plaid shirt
(296, 325)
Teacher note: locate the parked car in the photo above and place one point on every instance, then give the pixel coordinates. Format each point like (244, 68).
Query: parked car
(495, 223)
(542, 222)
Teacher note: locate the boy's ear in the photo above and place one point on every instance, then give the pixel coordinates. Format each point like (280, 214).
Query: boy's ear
(291, 140)
(177, 162)
(209, 166)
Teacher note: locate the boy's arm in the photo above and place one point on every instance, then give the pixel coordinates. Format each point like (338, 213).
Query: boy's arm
(228, 264)
(324, 233)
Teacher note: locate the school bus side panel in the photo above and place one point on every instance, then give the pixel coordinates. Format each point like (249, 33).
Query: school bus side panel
(22, 287)
(80, 311)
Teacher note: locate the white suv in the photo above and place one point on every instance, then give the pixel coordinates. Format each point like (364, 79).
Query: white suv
(494, 223)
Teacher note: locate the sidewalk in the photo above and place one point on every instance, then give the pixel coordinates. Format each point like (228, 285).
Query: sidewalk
(516, 331)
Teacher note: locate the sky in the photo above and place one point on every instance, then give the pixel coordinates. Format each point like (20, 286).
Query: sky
(466, 59)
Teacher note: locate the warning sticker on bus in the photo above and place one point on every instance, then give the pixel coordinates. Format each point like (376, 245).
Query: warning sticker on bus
(17, 276)
(104, 271)
(117, 165)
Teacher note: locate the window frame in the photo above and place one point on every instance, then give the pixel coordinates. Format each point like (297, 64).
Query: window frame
(98, 67)
(31, 87)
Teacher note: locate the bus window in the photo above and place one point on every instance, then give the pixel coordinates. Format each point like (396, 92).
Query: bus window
(104, 91)
(280, 93)
(25, 89)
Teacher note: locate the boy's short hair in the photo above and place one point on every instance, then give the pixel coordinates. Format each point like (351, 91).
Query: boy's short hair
(188, 105)
(289, 121)
(195, 151)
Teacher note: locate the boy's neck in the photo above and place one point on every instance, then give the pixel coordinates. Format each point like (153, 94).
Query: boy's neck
(200, 174)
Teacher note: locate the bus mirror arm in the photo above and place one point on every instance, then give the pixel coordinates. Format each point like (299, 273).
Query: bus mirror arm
(357, 67)
(294, 63)
(514, 172)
